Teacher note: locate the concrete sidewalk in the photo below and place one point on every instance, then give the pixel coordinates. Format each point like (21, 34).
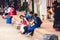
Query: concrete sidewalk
(46, 28)
(9, 32)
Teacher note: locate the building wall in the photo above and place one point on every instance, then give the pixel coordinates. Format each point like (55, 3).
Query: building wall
(36, 3)
(30, 5)
(43, 9)
(49, 2)
(58, 1)
(40, 8)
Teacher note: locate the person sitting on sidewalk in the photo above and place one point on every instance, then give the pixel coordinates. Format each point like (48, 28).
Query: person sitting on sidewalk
(24, 23)
(27, 15)
(31, 21)
(12, 11)
(36, 23)
(7, 10)
(37, 20)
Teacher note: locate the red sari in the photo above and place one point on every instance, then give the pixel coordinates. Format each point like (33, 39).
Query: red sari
(12, 12)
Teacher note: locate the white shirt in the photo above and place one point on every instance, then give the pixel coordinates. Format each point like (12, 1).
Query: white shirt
(9, 9)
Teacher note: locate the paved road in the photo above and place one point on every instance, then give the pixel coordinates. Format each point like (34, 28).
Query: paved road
(9, 32)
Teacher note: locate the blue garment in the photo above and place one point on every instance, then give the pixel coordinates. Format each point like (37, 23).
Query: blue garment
(37, 21)
(37, 24)
(30, 29)
(28, 16)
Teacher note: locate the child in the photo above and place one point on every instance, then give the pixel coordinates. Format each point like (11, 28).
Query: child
(24, 23)
(36, 24)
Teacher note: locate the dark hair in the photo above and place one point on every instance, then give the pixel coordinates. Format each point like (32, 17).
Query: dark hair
(35, 15)
(54, 2)
(21, 16)
(48, 7)
(31, 12)
(27, 11)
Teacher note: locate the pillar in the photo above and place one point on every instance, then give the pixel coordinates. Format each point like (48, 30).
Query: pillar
(33, 6)
(43, 9)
